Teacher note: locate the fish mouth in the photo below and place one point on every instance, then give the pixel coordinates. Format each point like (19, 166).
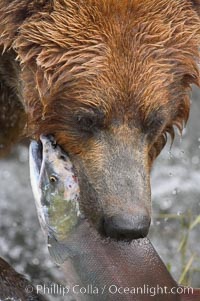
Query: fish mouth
(38, 174)
(36, 156)
(36, 150)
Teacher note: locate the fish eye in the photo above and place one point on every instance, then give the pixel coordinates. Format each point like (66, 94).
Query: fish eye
(53, 179)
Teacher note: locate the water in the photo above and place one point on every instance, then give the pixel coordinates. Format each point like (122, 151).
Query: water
(175, 193)
(176, 196)
(22, 242)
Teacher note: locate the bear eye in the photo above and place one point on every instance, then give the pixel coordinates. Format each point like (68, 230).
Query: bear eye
(90, 120)
(154, 125)
(86, 122)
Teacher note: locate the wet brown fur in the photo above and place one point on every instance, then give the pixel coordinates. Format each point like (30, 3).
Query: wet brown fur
(95, 71)
(12, 115)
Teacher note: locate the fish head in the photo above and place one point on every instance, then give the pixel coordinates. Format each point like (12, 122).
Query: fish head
(55, 188)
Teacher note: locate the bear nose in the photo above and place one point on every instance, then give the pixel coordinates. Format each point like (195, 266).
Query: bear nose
(123, 227)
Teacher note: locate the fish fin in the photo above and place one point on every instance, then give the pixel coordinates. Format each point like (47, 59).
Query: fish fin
(57, 250)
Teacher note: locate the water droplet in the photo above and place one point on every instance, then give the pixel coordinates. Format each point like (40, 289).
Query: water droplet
(166, 204)
(35, 261)
(175, 191)
(182, 153)
(170, 155)
(184, 132)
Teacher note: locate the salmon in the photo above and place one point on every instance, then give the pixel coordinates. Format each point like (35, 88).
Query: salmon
(105, 269)
(56, 191)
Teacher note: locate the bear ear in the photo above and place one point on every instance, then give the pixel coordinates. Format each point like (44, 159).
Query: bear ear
(196, 5)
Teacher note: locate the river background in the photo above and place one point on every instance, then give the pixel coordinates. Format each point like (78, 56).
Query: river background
(175, 200)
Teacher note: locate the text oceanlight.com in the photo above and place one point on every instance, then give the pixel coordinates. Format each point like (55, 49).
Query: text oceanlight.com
(57, 289)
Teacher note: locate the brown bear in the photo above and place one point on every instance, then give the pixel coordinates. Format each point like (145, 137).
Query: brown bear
(109, 79)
